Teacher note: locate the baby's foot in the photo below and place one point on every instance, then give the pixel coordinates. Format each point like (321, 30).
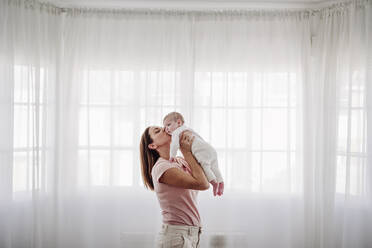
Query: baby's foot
(221, 186)
(215, 186)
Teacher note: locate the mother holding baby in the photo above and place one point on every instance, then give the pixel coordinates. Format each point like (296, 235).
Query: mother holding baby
(176, 182)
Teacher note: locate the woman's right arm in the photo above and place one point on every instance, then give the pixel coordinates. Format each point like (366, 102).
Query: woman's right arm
(178, 178)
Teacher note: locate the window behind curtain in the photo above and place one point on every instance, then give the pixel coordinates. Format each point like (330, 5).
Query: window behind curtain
(252, 120)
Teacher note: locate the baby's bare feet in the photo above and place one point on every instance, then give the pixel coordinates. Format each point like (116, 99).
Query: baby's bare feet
(215, 186)
(221, 187)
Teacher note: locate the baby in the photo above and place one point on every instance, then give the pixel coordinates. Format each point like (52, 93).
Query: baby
(202, 151)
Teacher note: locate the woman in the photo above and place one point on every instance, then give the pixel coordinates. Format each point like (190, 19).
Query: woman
(176, 185)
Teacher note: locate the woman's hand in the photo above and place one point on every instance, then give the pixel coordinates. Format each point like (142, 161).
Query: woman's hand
(186, 142)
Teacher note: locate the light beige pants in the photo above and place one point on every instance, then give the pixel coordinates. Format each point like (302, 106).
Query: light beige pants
(174, 236)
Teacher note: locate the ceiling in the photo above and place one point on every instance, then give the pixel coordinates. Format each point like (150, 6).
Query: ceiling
(192, 4)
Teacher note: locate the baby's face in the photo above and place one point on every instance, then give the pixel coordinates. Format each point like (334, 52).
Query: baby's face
(171, 125)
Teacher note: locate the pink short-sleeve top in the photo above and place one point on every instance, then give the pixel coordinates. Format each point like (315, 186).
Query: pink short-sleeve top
(178, 205)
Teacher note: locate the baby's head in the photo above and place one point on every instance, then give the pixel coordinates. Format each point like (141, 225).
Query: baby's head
(172, 121)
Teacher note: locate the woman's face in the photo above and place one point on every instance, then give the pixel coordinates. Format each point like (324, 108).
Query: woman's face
(159, 136)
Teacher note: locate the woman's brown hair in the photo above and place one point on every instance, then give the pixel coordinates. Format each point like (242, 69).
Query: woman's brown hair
(148, 159)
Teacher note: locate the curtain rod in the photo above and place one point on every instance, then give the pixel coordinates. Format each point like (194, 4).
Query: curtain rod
(332, 5)
(179, 10)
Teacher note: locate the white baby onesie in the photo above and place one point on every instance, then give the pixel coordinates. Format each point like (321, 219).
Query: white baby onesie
(202, 151)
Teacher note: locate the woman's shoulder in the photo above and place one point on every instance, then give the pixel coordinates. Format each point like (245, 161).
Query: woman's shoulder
(162, 165)
(178, 162)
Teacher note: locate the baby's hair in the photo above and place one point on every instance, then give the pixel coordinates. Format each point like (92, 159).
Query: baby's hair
(174, 117)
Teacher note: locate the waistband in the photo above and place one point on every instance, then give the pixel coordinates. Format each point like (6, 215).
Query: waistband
(190, 230)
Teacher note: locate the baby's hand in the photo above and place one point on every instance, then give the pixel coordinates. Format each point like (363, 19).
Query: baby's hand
(215, 186)
(171, 159)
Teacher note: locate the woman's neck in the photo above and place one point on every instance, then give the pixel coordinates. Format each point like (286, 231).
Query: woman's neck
(164, 151)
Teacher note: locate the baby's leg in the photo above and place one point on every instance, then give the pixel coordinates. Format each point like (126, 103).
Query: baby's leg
(203, 156)
(208, 172)
(214, 165)
(210, 177)
(216, 171)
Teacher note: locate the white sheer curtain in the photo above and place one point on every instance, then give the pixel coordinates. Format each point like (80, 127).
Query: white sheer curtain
(287, 116)
(29, 51)
(338, 164)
